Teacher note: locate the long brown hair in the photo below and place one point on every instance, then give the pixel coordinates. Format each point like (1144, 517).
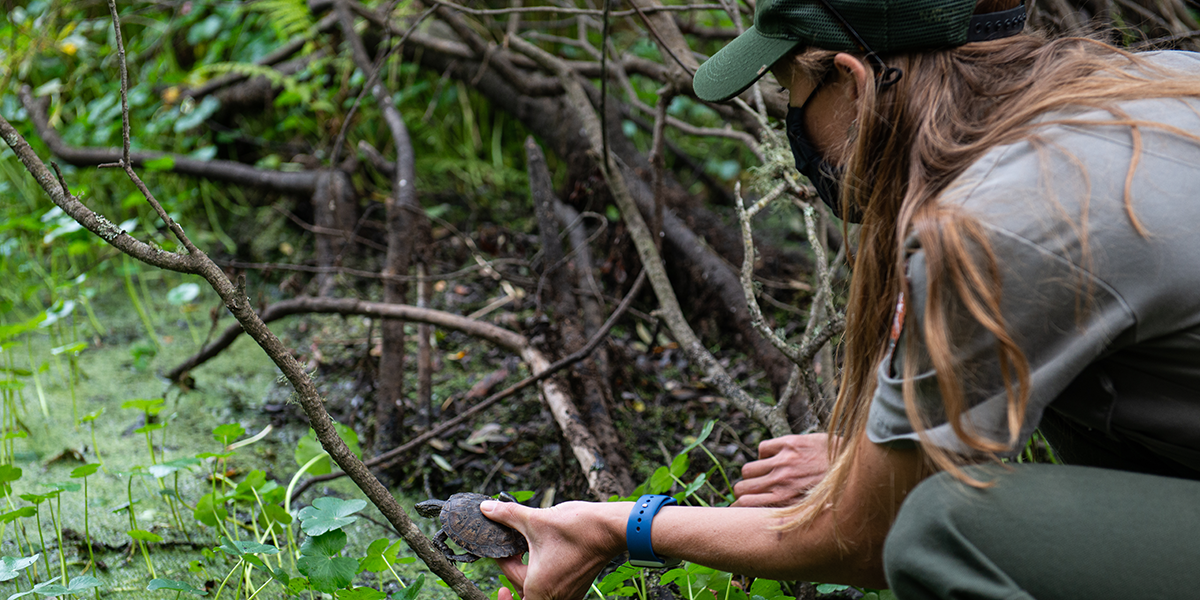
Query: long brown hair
(913, 140)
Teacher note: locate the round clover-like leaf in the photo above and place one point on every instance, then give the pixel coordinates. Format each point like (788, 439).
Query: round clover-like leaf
(9, 473)
(79, 584)
(326, 544)
(328, 573)
(240, 548)
(150, 406)
(84, 471)
(320, 563)
(21, 513)
(361, 593)
(228, 432)
(142, 535)
(175, 586)
(328, 514)
(11, 567)
(210, 509)
(309, 447)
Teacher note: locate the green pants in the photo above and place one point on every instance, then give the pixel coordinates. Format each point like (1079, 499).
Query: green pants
(1048, 532)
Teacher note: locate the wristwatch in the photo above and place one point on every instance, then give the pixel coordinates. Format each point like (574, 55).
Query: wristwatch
(637, 532)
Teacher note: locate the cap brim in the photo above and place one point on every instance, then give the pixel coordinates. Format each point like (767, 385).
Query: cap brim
(738, 65)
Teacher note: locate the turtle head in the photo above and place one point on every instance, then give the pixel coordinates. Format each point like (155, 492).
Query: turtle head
(430, 509)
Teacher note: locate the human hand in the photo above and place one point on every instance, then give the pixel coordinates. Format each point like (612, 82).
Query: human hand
(569, 544)
(787, 467)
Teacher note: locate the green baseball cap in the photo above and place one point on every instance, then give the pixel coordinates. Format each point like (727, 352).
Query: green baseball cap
(886, 26)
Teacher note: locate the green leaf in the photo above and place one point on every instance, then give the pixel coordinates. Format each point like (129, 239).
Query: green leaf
(522, 495)
(10, 567)
(273, 516)
(144, 536)
(708, 427)
(319, 562)
(257, 562)
(829, 588)
(379, 556)
(85, 470)
(150, 406)
(92, 416)
(660, 481)
(695, 485)
(21, 513)
(766, 588)
(149, 428)
(617, 578)
(309, 447)
(74, 349)
(253, 481)
(295, 585)
(39, 498)
(361, 593)
(64, 486)
(162, 163)
(680, 465)
(410, 592)
(227, 433)
(327, 514)
(281, 576)
(9, 473)
(80, 583)
(240, 548)
(178, 586)
(326, 544)
(672, 575)
(210, 509)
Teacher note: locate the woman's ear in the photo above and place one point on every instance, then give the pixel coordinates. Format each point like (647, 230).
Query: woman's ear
(854, 68)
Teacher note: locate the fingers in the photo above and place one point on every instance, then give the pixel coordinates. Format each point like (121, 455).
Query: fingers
(504, 594)
(789, 466)
(515, 570)
(508, 513)
(771, 447)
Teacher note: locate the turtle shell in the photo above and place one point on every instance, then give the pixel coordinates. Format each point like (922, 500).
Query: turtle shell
(465, 524)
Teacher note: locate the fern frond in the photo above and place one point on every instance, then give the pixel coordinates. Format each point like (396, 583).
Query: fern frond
(289, 18)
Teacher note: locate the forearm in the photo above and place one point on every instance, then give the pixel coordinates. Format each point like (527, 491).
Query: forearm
(570, 543)
(839, 546)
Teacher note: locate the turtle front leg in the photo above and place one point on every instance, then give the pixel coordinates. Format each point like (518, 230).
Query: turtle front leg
(439, 540)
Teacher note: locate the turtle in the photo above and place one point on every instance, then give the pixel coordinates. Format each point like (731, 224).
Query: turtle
(463, 522)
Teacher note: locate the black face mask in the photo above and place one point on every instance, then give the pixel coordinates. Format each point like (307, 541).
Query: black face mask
(824, 176)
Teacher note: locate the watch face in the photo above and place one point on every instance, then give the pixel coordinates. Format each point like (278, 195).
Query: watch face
(655, 564)
(646, 564)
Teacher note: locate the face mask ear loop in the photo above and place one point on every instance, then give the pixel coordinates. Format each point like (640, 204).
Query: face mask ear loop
(885, 76)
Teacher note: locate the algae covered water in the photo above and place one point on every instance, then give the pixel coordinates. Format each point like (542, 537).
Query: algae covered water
(179, 479)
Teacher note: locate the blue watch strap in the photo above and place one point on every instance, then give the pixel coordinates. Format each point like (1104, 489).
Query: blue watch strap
(637, 532)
